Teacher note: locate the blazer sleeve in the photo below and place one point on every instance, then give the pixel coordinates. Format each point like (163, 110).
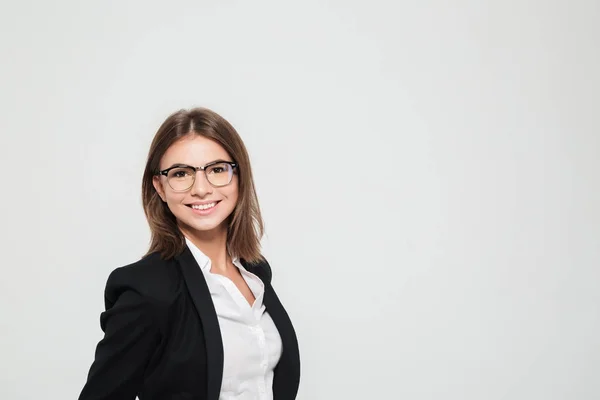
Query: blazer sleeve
(131, 334)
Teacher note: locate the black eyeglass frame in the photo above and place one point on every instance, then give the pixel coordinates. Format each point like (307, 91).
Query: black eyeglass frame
(165, 172)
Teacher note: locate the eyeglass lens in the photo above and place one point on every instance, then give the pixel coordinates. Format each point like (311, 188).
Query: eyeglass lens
(183, 178)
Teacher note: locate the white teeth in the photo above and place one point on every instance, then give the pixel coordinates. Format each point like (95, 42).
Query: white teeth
(203, 206)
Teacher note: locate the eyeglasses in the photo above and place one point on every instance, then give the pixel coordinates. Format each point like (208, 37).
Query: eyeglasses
(181, 177)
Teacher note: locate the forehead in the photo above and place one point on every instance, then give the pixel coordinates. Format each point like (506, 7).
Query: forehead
(194, 150)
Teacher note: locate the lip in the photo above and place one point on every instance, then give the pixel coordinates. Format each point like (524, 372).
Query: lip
(199, 203)
(203, 212)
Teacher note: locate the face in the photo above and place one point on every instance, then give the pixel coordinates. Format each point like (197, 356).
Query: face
(190, 206)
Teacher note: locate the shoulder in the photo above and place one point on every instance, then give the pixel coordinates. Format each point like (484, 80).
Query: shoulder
(151, 278)
(262, 269)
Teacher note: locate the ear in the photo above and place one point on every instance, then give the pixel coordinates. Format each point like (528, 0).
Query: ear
(159, 187)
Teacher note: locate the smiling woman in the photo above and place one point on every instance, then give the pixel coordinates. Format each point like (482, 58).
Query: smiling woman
(200, 137)
(197, 316)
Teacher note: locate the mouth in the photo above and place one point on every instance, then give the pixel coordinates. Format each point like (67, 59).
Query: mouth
(203, 209)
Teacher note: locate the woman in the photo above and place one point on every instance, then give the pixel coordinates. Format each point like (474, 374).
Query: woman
(196, 317)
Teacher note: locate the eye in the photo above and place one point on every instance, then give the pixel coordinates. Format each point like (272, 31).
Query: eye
(179, 173)
(219, 168)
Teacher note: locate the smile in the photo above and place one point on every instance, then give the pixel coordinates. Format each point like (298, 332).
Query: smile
(203, 206)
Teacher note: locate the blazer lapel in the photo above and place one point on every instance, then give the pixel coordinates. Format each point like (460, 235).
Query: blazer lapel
(287, 372)
(200, 294)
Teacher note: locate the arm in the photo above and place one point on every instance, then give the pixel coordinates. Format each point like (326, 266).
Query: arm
(130, 336)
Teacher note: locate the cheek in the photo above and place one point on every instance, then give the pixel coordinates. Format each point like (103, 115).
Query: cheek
(174, 198)
(234, 188)
(232, 194)
(229, 192)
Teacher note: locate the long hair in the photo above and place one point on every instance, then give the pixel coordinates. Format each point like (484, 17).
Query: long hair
(245, 225)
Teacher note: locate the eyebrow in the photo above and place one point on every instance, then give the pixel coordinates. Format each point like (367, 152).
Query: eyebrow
(188, 165)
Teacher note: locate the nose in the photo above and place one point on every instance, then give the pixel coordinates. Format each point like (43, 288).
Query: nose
(201, 186)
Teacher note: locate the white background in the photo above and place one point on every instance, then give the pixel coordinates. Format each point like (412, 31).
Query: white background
(428, 172)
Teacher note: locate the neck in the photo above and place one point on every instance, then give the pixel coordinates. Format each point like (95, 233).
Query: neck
(213, 244)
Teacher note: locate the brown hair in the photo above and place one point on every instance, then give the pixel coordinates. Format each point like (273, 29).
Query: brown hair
(245, 224)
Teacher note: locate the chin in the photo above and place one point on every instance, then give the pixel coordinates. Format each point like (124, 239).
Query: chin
(208, 223)
(206, 227)
(202, 225)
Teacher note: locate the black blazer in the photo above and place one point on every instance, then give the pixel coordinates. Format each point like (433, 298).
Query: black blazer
(162, 339)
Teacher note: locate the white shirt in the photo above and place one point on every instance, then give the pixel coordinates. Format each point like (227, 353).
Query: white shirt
(251, 342)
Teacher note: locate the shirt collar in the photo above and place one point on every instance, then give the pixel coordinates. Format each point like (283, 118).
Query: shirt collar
(202, 259)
